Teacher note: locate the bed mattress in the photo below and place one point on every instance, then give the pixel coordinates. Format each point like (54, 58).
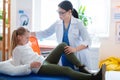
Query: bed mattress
(33, 77)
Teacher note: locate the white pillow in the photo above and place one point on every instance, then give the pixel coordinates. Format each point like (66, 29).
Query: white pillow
(7, 68)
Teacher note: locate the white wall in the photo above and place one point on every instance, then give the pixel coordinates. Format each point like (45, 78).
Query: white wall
(17, 5)
(36, 18)
(109, 46)
(13, 14)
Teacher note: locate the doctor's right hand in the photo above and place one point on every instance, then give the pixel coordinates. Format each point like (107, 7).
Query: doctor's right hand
(32, 34)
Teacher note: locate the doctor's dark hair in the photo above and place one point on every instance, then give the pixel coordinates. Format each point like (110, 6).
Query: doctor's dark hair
(67, 5)
(14, 39)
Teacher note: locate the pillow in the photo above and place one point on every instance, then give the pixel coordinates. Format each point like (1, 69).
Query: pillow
(7, 68)
(34, 44)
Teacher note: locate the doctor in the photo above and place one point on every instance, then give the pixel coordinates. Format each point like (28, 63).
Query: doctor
(70, 30)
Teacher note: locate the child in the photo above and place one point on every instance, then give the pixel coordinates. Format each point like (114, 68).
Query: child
(22, 54)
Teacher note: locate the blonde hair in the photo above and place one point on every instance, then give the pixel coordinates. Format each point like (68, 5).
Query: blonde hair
(14, 40)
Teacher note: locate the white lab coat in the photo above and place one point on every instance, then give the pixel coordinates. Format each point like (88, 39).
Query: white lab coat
(77, 35)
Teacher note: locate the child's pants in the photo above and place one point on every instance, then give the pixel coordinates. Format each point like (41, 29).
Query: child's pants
(51, 67)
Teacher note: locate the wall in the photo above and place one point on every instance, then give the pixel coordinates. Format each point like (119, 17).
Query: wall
(36, 17)
(17, 5)
(109, 46)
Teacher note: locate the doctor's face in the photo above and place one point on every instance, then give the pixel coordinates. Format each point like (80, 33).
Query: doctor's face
(62, 13)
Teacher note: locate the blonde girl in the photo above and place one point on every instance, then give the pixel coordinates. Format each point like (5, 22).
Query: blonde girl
(23, 54)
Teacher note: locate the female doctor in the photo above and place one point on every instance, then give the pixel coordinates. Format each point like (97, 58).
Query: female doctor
(70, 30)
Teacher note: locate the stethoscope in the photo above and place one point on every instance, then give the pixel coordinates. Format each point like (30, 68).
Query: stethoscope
(24, 20)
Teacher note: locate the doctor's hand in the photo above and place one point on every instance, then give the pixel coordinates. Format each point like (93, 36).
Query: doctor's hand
(35, 64)
(32, 34)
(69, 49)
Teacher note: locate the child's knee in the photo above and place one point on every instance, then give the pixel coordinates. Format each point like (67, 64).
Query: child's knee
(63, 44)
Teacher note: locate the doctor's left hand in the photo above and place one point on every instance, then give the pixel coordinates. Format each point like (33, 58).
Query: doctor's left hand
(69, 49)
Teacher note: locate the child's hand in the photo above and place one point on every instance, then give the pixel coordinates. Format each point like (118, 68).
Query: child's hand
(35, 64)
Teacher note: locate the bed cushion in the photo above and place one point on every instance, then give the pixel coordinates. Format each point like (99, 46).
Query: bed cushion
(34, 44)
(32, 76)
(112, 75)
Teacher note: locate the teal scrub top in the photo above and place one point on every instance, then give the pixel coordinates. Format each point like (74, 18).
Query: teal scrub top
(65, 61)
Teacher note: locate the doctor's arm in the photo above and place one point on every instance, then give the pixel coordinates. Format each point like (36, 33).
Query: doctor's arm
(86, 41)
(84, 44)
(69, 49)
(45, 33)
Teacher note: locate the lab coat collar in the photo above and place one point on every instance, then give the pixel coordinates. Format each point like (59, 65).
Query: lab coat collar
(73, 20)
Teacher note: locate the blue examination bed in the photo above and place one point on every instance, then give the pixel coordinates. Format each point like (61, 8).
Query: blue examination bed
(33, 77)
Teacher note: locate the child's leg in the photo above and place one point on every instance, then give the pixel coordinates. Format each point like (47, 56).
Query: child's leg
(56, 54)
(53, 69)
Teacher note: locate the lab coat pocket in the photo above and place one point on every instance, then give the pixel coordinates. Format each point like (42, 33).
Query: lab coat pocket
(75, 33)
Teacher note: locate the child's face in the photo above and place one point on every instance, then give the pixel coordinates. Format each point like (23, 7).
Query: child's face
(24, 38)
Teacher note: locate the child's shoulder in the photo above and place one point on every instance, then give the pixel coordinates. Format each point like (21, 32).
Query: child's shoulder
(21, 47)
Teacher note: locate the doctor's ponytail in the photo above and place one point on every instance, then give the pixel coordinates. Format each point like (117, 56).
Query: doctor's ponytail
(74, 13)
